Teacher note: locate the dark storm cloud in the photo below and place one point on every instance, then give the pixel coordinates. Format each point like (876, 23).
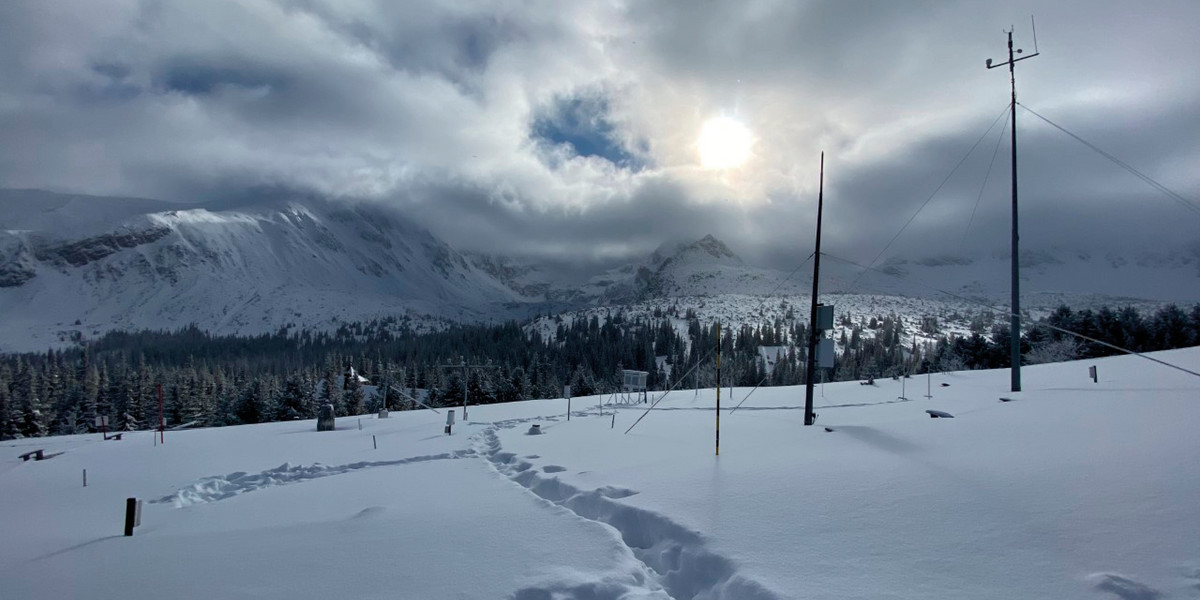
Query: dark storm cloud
(1071, 196)
(629, 227)
(196, 77)
(834, 43)
(569, 130)
(454, 44)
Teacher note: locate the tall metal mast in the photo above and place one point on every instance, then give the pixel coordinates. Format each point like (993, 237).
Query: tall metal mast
(1015, 323)
(810, 373)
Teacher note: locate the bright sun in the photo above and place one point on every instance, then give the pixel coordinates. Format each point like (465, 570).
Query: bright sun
(724, 143)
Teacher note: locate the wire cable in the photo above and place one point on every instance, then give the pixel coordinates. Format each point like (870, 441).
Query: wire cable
(704, 358)
(931, 196)
(757, 385)
(983, 186)
(1124, 165)
(789, 275)
(1010, 313)
(672, 388)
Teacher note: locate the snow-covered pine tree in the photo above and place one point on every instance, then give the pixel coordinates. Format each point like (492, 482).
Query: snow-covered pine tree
(331, 391)
(8, 412)
(354, 399)
(295, 401)
(254, 406)
(25, 390)
(89, 395)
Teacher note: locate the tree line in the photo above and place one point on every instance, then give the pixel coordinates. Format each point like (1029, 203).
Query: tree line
(208, 380)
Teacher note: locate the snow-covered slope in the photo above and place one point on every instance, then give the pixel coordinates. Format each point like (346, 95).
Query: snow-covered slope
(73, 267)
(703, 267)
(1071, 490)
(707, 267)
(1168, 275)
(307, 265)
(70, 216)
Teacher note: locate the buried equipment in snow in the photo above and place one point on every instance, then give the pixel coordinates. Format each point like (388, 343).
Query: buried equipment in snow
(534, 429)
(938, 414)
(133, 515)
(325, 420)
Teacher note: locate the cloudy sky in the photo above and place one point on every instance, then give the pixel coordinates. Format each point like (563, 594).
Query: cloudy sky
(574, 129)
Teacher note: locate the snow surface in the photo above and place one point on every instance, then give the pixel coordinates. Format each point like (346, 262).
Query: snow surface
(1072, 489)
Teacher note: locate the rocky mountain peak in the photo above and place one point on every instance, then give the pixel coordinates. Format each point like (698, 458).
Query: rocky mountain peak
(707, 249)
(713, 247)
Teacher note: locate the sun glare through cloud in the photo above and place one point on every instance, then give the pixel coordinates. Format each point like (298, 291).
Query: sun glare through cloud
(724, 143)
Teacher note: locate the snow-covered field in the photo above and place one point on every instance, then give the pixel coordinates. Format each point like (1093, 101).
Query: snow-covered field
(1071, 490)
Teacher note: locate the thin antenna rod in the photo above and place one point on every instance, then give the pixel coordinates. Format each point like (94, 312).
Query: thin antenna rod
(809, 416)
(1033, 26)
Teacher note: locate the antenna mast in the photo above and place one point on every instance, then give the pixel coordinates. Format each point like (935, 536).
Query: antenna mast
(810, 371)
(1015, 326)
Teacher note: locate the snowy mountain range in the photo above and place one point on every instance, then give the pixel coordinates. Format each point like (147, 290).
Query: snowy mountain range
(74, 267)
(65, 273)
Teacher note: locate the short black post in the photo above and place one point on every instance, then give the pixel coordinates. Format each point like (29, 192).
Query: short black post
(374, 443)
(85, 478)
(614, 421)
(130, 514)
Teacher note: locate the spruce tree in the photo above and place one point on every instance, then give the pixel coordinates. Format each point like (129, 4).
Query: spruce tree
(133, 409)
(89, 395)
(331, 391)
(297, 397)
(252, 406)
(353, 394)
(8, 412)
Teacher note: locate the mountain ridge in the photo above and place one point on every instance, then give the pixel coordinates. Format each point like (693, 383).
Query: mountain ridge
(71, 269)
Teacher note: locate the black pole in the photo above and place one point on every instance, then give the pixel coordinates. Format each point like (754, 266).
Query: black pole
(1015, 323)
(130, 514)
(1015, 317)
(809, 417)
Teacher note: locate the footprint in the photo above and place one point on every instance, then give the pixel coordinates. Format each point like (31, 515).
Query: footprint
(370, 511)
(553, 469)
(609, 491)
(1123, 587)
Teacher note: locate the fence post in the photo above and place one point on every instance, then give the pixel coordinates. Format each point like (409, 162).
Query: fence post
(130, 515)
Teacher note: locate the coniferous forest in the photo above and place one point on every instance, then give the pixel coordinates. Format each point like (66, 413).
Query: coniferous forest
(222, 380)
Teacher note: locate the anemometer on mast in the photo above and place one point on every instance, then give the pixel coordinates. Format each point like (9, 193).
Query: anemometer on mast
(1011, 60)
